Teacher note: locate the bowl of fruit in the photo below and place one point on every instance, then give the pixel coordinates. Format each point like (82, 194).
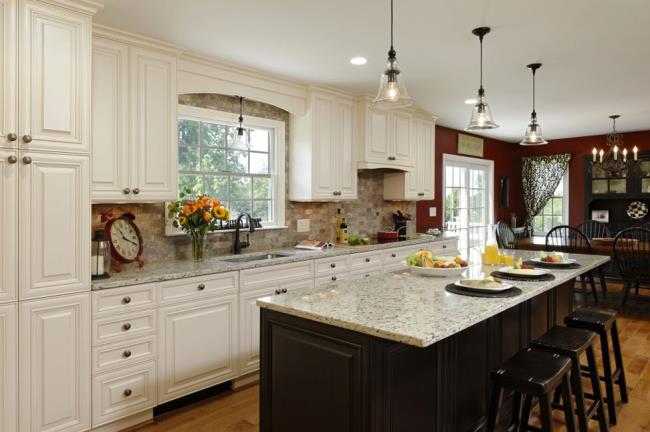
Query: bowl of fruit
(425, 263)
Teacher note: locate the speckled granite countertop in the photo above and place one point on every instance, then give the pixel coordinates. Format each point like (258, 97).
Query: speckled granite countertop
(408, 308)
(167, 270)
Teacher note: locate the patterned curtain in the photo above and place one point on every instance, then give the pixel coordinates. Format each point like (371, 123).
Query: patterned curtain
(540, 176)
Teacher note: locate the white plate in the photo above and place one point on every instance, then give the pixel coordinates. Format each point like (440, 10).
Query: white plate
(504, 286)
(565, 262)
(532, 273)
(436, 272)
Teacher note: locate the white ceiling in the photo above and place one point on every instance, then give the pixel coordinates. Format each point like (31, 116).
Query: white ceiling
(596, 53)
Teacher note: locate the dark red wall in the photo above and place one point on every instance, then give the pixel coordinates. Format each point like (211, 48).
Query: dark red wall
(579, 147)
(506, 163)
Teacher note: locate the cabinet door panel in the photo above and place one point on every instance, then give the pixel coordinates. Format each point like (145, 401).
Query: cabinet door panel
(345, 156)
(402, 139)
(54, 232)
(7, 72)
(55, 364)
(249, 342)
(377, 148)
(55, 78)
(153, 131)
(110, 138)
(8, 368)
(324, 162)
(8, 227)
(198, 342)
(425, 165)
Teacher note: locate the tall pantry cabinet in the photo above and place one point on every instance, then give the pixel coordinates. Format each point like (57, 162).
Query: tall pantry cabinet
(45, 224)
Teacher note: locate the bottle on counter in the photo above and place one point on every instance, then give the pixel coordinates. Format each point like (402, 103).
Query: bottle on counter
(337, 225)
(343, 230)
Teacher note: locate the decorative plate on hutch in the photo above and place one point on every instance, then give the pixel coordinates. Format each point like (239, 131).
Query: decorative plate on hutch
(637, 210)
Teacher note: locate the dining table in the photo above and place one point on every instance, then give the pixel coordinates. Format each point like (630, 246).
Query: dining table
(599, 246)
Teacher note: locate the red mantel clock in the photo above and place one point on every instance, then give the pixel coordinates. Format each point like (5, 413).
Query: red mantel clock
(125, 239)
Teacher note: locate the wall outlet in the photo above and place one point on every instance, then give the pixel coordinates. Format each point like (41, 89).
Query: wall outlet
(302, 225)
(432, 211)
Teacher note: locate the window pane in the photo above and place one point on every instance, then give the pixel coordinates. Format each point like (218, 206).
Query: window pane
(240, 188)
(237, 207)
(538, 223)
(548, 223)
(213, 160)
(261, 187)
(188, 158)
(262, 210)
(237, 161)
(259, 140)
(213, 134)
(259, 163)
(476, 216)
(193, 183)
(216, 187)
(188, 132)
(557, 207)
(476, 198)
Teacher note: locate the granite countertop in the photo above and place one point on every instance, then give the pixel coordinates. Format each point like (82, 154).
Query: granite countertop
(408, 308)
(178, 269)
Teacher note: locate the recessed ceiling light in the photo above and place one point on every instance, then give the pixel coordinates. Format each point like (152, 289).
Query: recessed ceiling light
(470, 101)
(358, 61)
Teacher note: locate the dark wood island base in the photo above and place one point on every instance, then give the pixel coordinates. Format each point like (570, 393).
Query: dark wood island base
(320, 378)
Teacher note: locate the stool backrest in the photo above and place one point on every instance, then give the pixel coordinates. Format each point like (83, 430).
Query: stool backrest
(564, 238)
(593, 229)
(632, 254)
(505, 235)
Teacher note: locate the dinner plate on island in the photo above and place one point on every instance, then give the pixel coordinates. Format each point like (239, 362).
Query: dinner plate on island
(533, 273)
(483, 285)
(553, 259)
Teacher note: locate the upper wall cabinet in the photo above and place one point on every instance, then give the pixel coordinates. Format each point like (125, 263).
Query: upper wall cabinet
(385, 138)
(134, 139)
(8, 87)
(322, 165)
(419, 183)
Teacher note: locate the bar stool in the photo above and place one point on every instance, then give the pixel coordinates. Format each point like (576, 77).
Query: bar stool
(573, 343)
(532, 374)
(603, 322)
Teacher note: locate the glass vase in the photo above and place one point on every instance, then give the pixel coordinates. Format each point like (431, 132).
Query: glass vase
(198, 245)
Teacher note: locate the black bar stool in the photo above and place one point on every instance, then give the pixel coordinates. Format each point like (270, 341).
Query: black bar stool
(573, 343)
(532, 374)
(603, 322)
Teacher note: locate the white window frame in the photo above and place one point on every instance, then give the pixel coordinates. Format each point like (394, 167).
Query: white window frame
(565, 204)
(277, 157)
(470, 162)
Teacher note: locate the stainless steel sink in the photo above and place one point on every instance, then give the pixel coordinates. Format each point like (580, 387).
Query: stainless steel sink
(263, 257)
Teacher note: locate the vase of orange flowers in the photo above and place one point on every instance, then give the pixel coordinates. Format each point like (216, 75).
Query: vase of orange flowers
(196, 217)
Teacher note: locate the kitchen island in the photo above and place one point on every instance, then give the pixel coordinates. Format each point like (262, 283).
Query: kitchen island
(396, 352)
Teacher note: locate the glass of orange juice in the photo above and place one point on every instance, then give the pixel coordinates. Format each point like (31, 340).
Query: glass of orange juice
(508, 260)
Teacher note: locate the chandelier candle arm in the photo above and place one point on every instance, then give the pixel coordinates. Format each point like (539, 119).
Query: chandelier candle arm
(594, 152)
(635, 150)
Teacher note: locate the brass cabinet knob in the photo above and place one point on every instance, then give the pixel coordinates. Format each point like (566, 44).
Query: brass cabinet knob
(333, 278)
(126, 327)
(136, 191)
(444, 246)
(12, 136)
(393, 255)
(12, 159)
(201, 287)
(126, 354)
(27, 138)
(284, 290)
(128, 392)
(27, 160)
(126, 300)
(367, 259)
(278, 291)
(333, 265)
(126, 191)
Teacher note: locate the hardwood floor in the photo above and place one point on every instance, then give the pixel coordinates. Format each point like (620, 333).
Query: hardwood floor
(238, 411)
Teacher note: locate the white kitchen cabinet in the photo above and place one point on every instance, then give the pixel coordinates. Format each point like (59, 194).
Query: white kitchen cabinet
(384, 138)
(54, 76)
(54, 354)
(8, 224)
(417, 184)
(392, 258)
(8, 79)
(134, 139)
(54, 228)
(198, 346)
(8, 368)
(323, 146)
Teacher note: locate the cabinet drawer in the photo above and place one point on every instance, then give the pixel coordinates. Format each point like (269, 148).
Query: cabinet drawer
(197, 287)
(447, 247)
(273, 275)
(361, 274)
(333, 265)
(123, 353)
(123, 327)
(365, 261)
(322, 281)
(124, 392)
(120, 300)
(392, 258)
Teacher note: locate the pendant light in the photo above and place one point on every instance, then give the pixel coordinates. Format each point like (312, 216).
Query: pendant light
(481, 114)
(240, 137)
(534, 130)
(392, 90)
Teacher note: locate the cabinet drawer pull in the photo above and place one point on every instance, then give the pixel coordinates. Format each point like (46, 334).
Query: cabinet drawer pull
(136, 191)
(393, 255)
(126, 300)
(278, 291)
(12, 159)
(333, 265)
(444, 246)
(127, 392)
(126, 327)
(27, 138)
(333, 278)
(421, 194)
(201, 287)
(367, 259)
(126, 354)
(126, 191)
(284, 290)
(27, 160)
(12, 136)
(391, 158)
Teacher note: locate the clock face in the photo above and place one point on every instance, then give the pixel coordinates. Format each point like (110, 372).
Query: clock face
(125, 239)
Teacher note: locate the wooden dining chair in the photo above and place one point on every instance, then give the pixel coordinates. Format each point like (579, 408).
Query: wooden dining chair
(593, 229)
(632, 257)
(565, 238)
(505, 235)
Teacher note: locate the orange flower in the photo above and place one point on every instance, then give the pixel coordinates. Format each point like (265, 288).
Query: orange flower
(207, 217)
(187, 210)
(216, 203)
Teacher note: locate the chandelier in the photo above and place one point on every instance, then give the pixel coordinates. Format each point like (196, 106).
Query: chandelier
(612, 159)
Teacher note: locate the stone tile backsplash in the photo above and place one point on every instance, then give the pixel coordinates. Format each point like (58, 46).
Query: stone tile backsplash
(365, 216)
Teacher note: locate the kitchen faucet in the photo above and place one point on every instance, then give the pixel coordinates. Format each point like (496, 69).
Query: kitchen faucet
(239, 245)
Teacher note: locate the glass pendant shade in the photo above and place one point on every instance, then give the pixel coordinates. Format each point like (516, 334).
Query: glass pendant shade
(240, 137)
(533, 133)
(481, 116)
(392, 90)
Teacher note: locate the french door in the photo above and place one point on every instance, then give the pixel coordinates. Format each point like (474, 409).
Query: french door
(467, 186)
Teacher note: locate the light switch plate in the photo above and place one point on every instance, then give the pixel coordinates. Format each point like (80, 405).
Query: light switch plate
(302, 225)
(432, 212)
